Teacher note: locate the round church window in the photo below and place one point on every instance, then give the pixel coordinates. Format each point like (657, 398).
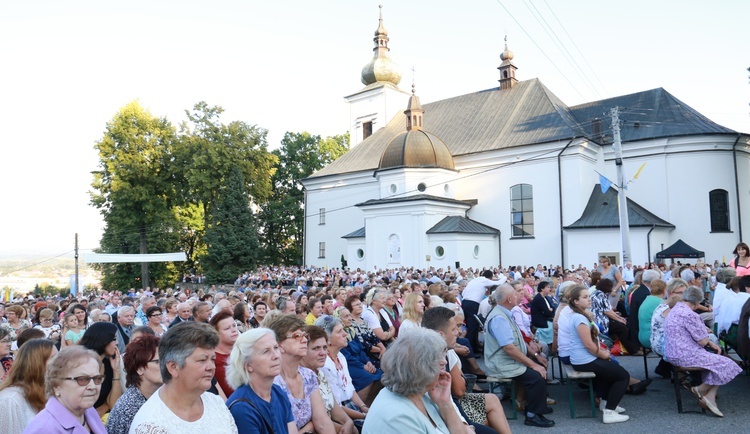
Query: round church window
(439, 251)
(422, 187)
(360, 253)
(476, 251)
(393, 189)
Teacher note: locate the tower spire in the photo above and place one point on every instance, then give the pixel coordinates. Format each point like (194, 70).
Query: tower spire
(414, 112)
(507, 68)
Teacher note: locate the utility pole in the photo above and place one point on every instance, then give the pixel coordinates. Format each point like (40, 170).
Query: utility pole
(76, 256)
(621, 196)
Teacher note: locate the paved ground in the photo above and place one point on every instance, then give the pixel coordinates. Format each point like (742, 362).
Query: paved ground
(654, 411)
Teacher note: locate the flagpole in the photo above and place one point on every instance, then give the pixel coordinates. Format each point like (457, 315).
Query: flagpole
(621, 196)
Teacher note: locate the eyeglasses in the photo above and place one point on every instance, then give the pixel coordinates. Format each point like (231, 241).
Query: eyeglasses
(155, 314)
(298, 336)
(84, 380)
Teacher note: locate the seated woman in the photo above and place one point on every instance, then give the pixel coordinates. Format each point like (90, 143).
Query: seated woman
(257, 404)
(646, 311)
(362, 370)
(336, 371)
(361, 331)
(72, 383)
(586, 355)
(101, 338)
(417, 397)
(143, 378)
(609, 322)
(315, 359)
(226, 326)
(299, 383)
(731, 307)
(183, 405)
(22, 394)
(413, 311)
(685, 338)
(542, 313)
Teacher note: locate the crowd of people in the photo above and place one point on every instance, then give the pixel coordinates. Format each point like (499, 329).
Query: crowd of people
(292, 350)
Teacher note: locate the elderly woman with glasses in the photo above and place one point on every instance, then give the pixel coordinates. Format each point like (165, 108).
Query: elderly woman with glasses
(183, 404)
(143, 379)
(360, 330)
(299, 383)
(687, 344)
(257, 404)
(72, 382)
(417, 395)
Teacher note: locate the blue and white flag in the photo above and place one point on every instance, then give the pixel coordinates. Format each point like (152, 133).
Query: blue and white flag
(604, 183)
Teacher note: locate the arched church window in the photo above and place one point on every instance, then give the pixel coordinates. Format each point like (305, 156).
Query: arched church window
(718, 202)
(522, 210)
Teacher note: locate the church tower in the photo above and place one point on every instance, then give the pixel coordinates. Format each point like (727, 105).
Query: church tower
(381, 99)
(507, 68)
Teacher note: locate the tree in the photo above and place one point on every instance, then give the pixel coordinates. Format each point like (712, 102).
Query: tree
(209, 150)
(134, 191)
(282, 216)
(232, 237)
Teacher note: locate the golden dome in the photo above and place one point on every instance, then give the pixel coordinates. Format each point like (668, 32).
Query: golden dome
(416, 148)
(381, 68)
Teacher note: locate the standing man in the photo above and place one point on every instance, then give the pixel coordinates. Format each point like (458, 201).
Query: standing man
(506, 355)
(627, 273)
(472, 295)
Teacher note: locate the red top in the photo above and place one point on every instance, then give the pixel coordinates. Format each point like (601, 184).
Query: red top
(221, 373)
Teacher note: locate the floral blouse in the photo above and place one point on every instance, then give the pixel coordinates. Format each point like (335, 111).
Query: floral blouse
(301, 407)
(25, 324)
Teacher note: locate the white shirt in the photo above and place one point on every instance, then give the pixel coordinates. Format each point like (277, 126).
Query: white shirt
(156, 418)
(17, 413)
(476, 289)
(563, 332)
(340, 381)
(627, 274)
(371, 318)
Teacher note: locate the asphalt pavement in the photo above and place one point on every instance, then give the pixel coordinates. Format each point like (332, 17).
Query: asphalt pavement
(655, 411)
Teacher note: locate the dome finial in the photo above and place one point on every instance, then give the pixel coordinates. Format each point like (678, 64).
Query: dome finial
(506, 54)
(413, 80)
(381, 68)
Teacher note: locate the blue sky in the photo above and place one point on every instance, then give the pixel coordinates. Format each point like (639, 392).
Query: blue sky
(67, 67)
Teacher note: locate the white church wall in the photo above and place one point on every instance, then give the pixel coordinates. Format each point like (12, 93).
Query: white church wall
(405, 182)
(583, 246)
(378, 106)
(337, 195)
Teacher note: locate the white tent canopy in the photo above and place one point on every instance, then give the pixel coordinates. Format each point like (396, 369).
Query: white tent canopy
(110, 258)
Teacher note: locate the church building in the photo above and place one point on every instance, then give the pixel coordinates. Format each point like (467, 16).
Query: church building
(510, 176)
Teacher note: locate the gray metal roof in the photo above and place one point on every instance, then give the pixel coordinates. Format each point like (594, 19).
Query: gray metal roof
(416, 197)
(602, 212)
(645, 115)
(461, 225)
(530, 114)
(359, 233)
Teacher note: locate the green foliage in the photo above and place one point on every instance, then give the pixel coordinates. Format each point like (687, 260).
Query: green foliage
(232, 238)
(208, 151)
(134, 191)
(45, 289)
(282, 216)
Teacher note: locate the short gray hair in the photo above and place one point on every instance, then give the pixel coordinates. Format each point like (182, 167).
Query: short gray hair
(63, 362)
(726, 274)
(650, 275)
(693, 295)
(125, 309)
(327, 323)
(242, 354)
(502, 292)
(413, 361)
(180, 341)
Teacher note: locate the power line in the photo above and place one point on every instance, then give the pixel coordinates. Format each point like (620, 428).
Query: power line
(577, 49)
(40, 262)
(542, 51)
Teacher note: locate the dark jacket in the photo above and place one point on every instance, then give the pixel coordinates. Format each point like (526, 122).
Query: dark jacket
(540, 313)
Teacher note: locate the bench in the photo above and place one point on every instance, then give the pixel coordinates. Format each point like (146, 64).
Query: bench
(580, 377)
(678, 373)
(496, 382)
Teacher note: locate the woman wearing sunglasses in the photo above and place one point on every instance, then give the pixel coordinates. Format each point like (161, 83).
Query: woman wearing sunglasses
(72, 383)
